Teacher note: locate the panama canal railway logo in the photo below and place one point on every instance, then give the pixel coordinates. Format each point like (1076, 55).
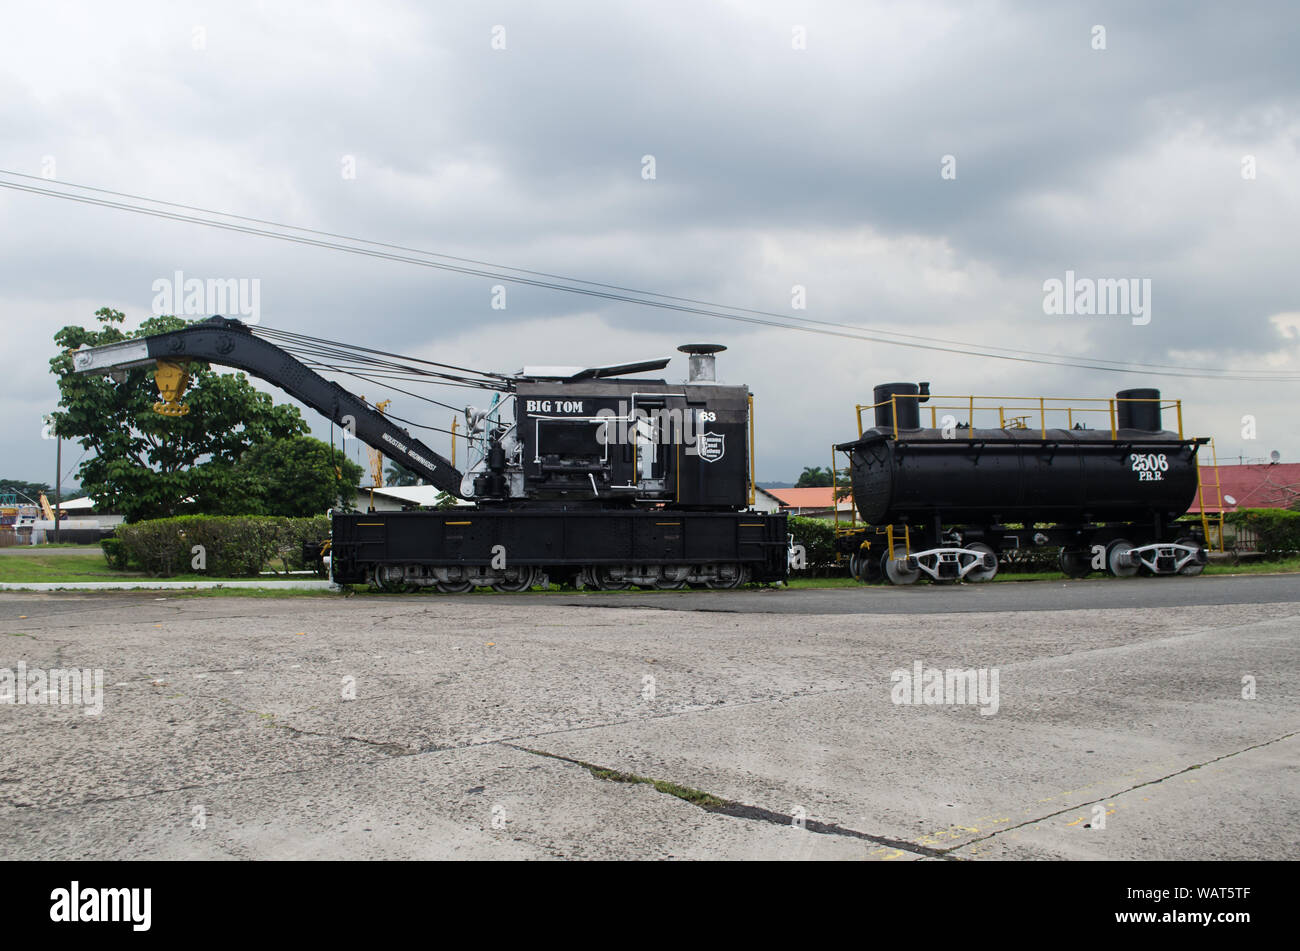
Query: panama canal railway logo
(712, 446)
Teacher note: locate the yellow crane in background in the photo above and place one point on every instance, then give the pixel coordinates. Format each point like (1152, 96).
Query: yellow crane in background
(377, 457)
(376, 460)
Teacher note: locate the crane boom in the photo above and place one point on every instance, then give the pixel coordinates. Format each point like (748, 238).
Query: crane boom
(229, 342)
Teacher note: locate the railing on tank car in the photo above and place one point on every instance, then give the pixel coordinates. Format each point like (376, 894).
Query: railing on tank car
(1014, 412)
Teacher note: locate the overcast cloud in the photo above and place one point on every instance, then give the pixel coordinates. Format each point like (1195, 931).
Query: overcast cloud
(775, 166)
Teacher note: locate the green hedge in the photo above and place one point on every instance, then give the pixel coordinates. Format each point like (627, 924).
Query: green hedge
(114, 553)
(234, 546)
(817, 535)
(1278, 530)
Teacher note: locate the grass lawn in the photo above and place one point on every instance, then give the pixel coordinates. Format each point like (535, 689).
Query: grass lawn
(1282, 566)
(69, 569)
(92, 547)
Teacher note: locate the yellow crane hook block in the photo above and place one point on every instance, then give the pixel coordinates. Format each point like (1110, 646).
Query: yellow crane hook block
(172, 379)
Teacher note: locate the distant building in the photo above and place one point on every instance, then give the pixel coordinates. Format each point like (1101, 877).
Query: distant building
(1251, 486)
(81, 522)
(818, 502)
(398, 498)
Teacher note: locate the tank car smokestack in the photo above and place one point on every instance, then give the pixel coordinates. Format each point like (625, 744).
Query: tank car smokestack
(910, 396)
(1139, 409)
(702, 362)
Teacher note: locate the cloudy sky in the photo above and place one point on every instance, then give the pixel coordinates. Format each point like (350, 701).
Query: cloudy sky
(919, 168)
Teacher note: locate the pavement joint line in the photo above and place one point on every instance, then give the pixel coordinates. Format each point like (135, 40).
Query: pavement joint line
(391, 749)
(407, 751)
(739, 810)
(884, 612)
(1158, 640)
(1122, 792)
(658, 607)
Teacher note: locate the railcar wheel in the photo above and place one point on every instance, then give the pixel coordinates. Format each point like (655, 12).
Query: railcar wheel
(981, 573)
(388, 578)
(673, 577)
(729, 576)
(855, 565)
(1074, 564)
(454, 587)
(517, 579)
(897, 574)
(606, 580)
(1191, 568)
(869, 571)
(1116, 548)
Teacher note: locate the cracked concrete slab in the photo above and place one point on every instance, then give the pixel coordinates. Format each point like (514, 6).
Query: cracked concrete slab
(1155, 821)
(481, 802)
(389, 727)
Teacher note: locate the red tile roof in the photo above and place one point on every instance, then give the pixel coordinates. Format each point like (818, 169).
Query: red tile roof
(819, 497)
(1263, 486)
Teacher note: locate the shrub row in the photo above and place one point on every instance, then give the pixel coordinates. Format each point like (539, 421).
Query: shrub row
(233, 546)
(1278, 530)
(817, 535)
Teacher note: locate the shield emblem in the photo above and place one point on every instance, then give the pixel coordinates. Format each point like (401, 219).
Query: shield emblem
(712, 446)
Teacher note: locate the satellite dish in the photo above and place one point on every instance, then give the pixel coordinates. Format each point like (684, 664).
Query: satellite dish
(1275, 455)
(1230, 500)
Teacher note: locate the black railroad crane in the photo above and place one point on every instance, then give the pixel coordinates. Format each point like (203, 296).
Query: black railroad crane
(591, 475)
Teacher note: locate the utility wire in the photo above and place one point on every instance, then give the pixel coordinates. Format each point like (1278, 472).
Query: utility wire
(615, 287)
(665, 302)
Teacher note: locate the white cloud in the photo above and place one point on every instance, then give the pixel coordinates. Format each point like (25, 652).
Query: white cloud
(777, 167)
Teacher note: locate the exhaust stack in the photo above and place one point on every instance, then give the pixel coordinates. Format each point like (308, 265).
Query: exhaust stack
(701, 363)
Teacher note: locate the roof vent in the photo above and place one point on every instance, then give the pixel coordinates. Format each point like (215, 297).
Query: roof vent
(701, 363)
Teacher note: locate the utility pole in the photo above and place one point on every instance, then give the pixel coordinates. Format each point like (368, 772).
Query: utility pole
(58, 482)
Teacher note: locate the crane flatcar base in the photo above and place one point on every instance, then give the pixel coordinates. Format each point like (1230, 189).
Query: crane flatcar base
(458, 549)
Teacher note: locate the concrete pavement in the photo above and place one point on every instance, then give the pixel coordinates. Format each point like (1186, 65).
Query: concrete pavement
(511, 726)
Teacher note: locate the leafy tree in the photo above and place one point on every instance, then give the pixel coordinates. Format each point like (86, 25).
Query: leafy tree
(30, 490)
(296, 477)
(146, 465)
(815, 476)
(398, 474)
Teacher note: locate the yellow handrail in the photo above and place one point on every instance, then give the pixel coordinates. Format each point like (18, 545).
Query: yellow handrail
(1016, 411)
(1200, 497)
(751, 449)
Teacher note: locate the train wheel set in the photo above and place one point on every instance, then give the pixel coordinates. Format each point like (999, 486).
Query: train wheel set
(975, 562)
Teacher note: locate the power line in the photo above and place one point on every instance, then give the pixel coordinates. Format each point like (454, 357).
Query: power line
(621, 294)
